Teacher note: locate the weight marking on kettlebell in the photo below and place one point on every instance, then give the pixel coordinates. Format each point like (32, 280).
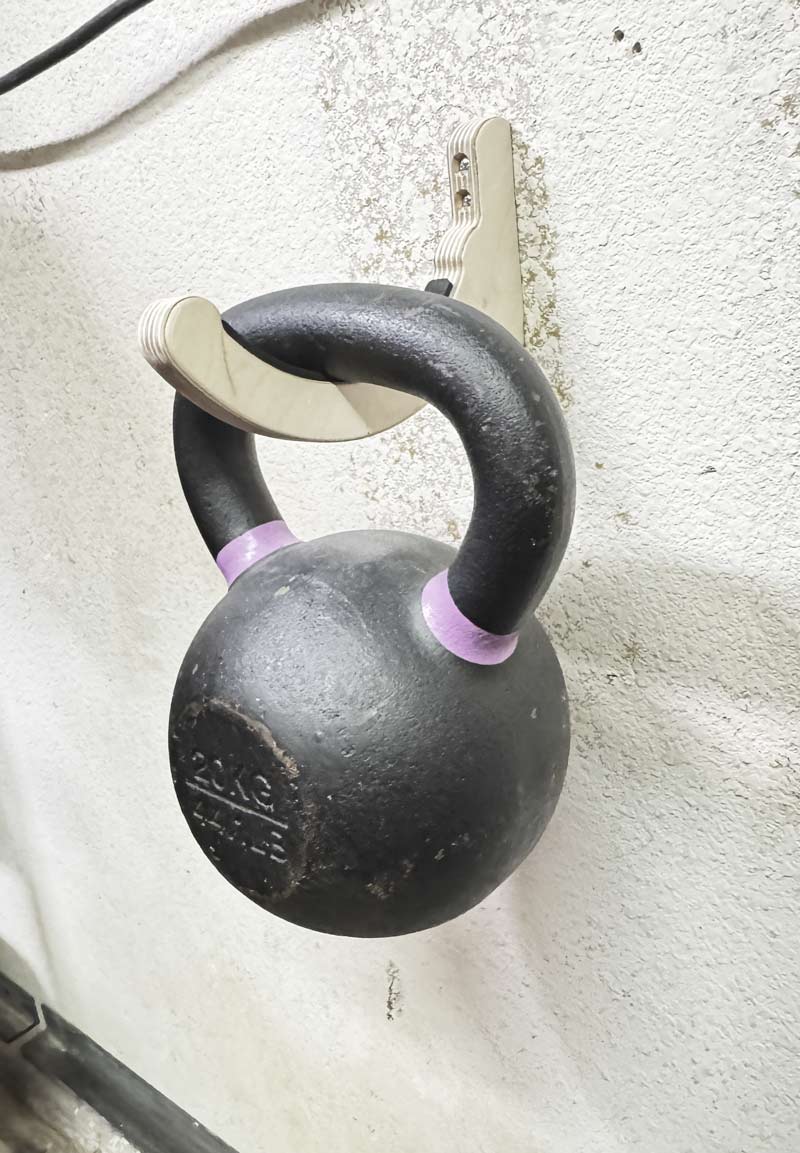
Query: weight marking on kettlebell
(229, 779)
(239, 792)
(221, 776)
(232, 832)
(203, 819)
(235, 805)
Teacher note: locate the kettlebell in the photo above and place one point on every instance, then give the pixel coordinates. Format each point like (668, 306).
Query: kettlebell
(370, 731)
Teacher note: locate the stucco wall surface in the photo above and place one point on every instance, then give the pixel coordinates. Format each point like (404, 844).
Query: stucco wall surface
(633, 989)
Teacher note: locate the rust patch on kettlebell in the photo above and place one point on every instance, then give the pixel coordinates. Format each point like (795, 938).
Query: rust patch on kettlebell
(240, 793)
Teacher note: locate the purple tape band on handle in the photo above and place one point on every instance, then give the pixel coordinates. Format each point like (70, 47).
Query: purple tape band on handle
(456, 632)
(243, 551)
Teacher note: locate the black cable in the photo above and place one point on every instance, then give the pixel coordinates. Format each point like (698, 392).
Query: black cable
(72, 43)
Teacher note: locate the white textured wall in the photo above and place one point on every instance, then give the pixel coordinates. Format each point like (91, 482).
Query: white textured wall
(634, 987)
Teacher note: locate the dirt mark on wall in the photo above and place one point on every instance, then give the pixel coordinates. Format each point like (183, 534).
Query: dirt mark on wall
(537, 250)
(394, 992)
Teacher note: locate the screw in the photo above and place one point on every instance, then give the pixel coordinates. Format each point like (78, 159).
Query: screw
(463, 165)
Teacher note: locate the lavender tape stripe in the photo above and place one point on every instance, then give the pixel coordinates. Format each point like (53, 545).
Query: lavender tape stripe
(456, 632)
(243, 551)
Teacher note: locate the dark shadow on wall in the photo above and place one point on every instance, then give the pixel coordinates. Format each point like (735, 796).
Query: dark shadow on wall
(167, 95)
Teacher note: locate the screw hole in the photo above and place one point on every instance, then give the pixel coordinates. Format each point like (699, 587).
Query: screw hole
(619, 34)
(637, 47)
(463, 198)
(461, 162)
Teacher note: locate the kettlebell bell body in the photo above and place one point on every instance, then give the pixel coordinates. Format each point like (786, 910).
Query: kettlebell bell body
(370, 731)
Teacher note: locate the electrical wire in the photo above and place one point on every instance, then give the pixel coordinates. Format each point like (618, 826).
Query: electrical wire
(70, 44)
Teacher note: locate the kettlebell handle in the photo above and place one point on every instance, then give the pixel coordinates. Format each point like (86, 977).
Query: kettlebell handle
(445, 352)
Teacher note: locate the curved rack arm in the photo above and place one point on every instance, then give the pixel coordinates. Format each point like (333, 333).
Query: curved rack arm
(477, 262)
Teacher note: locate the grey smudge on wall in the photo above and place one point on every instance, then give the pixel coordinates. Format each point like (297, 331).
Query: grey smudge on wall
(537, 247)
(632, 650)
(394, 992)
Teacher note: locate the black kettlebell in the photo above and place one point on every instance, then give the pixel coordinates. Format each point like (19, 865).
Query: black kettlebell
(370, 731)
